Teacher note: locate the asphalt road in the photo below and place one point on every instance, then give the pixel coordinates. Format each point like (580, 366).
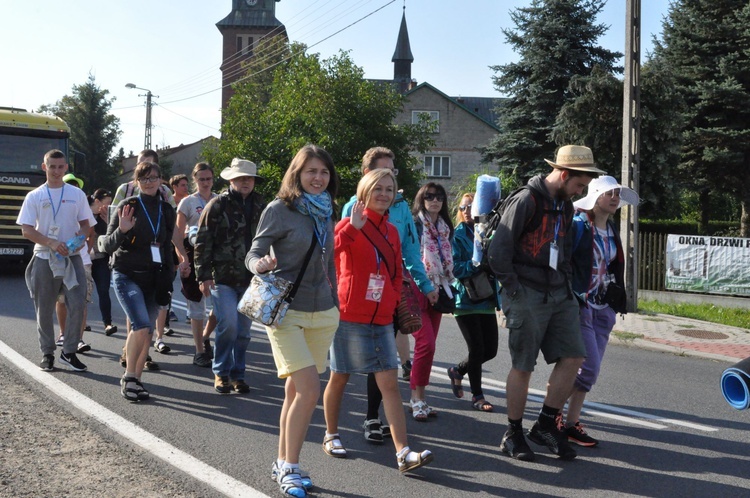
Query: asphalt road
(664, 426)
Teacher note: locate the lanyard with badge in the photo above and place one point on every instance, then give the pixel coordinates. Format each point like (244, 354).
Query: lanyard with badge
(322, 243)
(554, 250)
(54, 229)
(376, 283)
(155, 253)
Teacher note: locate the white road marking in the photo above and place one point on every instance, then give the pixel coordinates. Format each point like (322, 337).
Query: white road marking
(598, 409)
(185, 462)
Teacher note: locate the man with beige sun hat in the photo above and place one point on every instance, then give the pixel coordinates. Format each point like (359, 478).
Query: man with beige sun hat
(225, 233)
(530, 254)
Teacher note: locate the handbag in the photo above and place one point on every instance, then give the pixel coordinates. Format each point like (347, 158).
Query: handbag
(445, 304)
(163, 287)
(616, 297)
(408, 313)
(478, 286)
(268, 296)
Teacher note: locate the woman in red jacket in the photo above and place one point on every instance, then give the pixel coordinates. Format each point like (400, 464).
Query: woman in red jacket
(367, 251)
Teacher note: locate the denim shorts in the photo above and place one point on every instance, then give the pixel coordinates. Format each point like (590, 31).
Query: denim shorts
(140, 306)
(363, 348)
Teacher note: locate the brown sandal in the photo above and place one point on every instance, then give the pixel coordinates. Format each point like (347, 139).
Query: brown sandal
(333, 447)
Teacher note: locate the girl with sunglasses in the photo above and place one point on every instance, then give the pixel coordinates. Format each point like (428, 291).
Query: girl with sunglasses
(435, 230)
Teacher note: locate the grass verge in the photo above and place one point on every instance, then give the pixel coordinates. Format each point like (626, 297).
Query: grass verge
(734, 317)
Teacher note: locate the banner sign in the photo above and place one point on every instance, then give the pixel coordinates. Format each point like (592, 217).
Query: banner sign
(714, 265)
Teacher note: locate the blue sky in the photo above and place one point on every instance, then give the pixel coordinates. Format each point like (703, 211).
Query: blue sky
(173, 48)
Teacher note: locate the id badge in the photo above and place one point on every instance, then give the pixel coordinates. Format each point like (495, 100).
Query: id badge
(554, 253)
(53, 231)
(155, 253)
(375, 288)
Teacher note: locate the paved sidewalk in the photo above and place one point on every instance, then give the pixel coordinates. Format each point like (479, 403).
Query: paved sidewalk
(682, 336)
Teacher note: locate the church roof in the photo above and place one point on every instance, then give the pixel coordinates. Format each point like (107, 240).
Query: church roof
(249, 19)
(403, 49)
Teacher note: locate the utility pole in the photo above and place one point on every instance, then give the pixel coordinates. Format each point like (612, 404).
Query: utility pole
(148, 95)
(631, 147)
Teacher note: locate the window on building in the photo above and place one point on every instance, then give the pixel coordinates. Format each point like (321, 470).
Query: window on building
(437, 166)
(245, 45)
(433, 116)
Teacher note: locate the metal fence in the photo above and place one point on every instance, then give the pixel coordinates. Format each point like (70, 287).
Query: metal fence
(652, 249)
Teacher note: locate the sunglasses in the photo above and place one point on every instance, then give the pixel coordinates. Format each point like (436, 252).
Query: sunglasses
(429, 196)
(465, 208)
(612, 193)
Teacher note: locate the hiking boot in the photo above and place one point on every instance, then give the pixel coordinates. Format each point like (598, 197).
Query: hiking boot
(240, 386)
(554, 439)
(406, 370)
(221, 384)
(578, 435)
(110, 329)
(514, 444)
(72, 362)
(47, 363)
(83, 347)
(202, 360)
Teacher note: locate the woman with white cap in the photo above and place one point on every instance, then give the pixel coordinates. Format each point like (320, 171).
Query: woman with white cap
(597, 262)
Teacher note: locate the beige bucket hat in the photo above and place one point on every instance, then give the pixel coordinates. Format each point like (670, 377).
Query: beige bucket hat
(241, 167)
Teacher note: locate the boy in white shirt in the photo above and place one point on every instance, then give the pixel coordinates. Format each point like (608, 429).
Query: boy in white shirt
(51, 215)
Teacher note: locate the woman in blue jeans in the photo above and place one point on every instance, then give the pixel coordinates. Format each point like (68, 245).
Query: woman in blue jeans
(225, 234)
(139, 239)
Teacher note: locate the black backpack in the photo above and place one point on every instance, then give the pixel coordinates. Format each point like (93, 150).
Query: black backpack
(493, 218)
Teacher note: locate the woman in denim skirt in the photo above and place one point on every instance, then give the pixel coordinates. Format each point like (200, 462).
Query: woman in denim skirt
(368, 264)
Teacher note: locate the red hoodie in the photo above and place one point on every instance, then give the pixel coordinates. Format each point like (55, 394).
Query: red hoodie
(355, 257)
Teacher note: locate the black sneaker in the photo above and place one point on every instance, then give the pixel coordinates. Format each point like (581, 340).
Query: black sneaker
(578, 435)
(208, 348)
(47, 363)
(83, 347)
(72, 361)
(554, 439)
(406, 370)
(514, 444)
(202, 360)
(110, 329)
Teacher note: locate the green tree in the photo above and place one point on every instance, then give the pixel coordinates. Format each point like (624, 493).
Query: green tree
(94, 131)
(556, 40)
(706, 45)
(309, 100)
(593, 117)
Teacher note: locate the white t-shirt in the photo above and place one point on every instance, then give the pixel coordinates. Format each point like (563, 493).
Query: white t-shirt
(63, 207)
(192, 207)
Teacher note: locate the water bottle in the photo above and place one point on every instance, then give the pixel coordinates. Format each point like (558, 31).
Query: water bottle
(73, 244)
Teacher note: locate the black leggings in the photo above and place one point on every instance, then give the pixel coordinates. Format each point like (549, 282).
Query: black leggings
(102, 276)
(481, 335)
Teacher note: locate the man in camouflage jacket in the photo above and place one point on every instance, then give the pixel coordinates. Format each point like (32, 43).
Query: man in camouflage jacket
(225, 233)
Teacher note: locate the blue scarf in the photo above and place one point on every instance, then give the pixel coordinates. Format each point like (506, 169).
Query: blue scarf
(319, 207)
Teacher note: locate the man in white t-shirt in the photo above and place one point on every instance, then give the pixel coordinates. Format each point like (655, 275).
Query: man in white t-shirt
(51, 215)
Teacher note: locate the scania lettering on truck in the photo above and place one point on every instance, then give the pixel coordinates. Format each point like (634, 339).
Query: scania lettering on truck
(24, 139)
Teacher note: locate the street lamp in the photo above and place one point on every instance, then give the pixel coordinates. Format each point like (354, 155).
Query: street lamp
(148, 95)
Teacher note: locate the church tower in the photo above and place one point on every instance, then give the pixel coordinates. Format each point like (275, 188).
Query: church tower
(249, 21)
(402, 58)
